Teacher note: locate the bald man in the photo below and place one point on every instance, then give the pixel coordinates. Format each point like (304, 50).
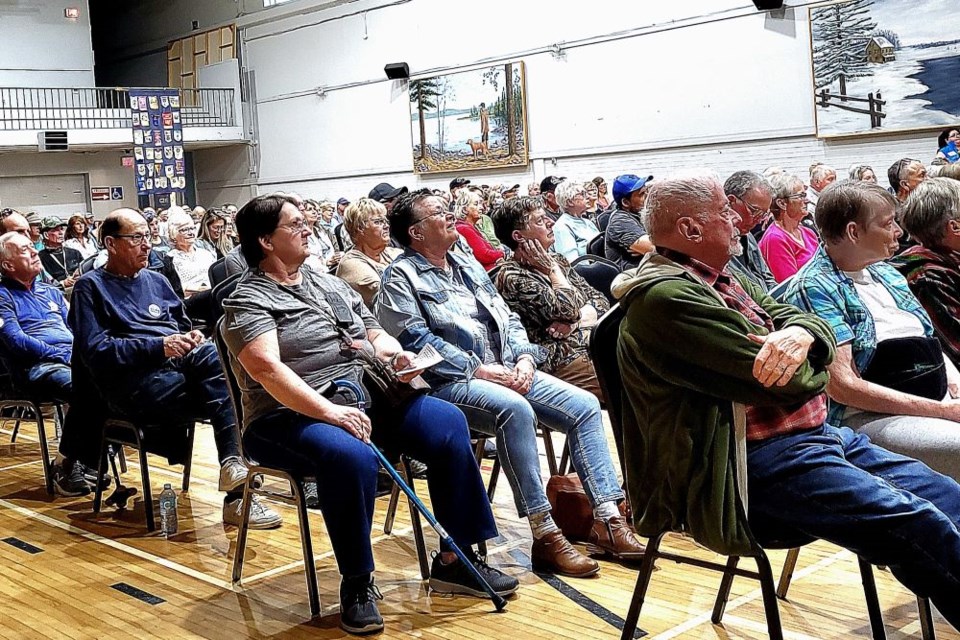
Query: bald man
(133, 335)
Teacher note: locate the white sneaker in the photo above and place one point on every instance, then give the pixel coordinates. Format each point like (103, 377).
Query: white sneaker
(233, 473)
(261, 516)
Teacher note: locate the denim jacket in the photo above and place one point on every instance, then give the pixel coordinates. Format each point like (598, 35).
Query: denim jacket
(822, 289)
(415, 306)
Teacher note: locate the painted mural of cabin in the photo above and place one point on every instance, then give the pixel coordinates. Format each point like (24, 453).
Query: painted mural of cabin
(880, 50)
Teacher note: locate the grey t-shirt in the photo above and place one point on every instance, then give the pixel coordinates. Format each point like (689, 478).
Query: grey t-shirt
(307, 336)
(623, 229)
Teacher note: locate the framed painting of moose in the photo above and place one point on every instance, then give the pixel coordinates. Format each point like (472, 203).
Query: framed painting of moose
(469, 120)
(880, 68)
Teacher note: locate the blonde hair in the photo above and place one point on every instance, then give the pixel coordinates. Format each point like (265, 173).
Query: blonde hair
(357, 214)
(465, 197)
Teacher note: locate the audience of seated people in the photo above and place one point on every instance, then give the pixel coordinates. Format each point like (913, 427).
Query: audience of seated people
(788, 244)
(905, 175)
(890, 379)
(362, 266)
(932, 269)
(625, 240)
(516, 358)
(556, 305)
(430, 295)
(286, 328)
(701, 352)
(573, 231)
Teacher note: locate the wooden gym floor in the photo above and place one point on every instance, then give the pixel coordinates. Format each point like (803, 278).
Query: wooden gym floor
(67, 574)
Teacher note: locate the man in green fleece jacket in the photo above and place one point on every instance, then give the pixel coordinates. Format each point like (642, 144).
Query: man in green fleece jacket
(711, 364)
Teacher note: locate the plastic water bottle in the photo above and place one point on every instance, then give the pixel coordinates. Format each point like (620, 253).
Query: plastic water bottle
(168, 511)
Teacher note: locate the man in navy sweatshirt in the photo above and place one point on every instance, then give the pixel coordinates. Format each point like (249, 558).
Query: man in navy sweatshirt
(36, 345)
(133, 335)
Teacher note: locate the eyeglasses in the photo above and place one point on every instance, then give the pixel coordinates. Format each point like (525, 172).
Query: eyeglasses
(796, 196)
(754, 210)
(4, 213)
(432, 215)
(295, 227)
(380, 222)
(135, 238)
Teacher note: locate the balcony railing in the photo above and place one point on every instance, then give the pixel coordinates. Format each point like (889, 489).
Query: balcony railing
(44, 109)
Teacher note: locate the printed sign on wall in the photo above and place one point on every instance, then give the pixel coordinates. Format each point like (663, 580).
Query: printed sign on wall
(157, 141)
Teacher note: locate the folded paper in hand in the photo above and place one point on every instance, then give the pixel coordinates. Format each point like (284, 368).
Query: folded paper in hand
(427, 357)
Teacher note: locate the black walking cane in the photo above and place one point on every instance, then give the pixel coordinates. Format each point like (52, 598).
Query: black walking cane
(497, 599)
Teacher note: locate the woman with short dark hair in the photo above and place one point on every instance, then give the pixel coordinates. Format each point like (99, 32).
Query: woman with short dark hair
(292, 332)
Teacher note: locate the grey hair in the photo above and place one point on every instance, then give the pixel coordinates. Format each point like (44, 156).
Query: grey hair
(683, 194)
(857, 171)
(929, 207)
(819, 172)
(176, 220)
(5, 253)
(465, 197)
(743, 182)
(567, 191)
(782, 186)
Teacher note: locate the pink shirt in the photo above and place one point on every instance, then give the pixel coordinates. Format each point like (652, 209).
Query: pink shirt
(784, 255)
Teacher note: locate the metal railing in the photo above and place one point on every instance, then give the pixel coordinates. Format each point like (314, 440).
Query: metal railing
(43, 109)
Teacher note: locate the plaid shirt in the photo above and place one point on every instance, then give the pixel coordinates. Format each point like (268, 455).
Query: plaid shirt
(767, 421)
(826, 291)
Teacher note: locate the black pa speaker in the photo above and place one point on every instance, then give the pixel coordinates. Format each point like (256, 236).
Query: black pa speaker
(397, 71)
(768, 5)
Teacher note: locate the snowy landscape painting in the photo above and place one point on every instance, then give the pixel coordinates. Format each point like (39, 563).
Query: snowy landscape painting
(469, 120)
(885, 65)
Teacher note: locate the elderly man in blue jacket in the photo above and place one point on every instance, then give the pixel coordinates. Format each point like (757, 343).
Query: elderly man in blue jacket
(37, 344)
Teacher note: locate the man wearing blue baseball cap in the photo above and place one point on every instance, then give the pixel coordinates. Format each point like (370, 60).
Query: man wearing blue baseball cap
(625, 239)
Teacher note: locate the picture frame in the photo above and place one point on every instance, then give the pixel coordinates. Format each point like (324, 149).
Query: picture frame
(879, 69)
(469, 120)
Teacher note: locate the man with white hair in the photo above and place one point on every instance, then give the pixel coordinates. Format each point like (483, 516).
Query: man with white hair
(821, 177)
(37, 345)
(702, 350)
(573, 232)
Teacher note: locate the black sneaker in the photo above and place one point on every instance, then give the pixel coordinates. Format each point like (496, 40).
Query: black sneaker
(90, 475)
(456, 578)
(418, 470)
(311, 494)
(358, 607)
(68, 479)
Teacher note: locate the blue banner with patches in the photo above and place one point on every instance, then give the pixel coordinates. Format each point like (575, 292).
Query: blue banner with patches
(157, 141)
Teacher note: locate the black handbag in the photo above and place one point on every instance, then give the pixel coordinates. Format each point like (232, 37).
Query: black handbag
(909, 365)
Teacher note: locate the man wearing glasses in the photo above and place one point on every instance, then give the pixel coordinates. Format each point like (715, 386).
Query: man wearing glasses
(134, 342)
(905, 175)
(750, 195)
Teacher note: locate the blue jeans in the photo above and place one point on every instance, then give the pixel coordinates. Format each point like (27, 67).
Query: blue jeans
(430, 430)
(891, 510)
(54, 381)
(185, 390)
(496, 410)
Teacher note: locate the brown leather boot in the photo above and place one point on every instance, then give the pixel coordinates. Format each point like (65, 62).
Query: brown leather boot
(613, 537)
(554, 554)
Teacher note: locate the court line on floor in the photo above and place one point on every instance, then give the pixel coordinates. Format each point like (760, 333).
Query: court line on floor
(119, 546)
(22, 464)
(746, 598)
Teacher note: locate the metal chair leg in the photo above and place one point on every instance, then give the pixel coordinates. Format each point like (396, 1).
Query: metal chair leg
(147, 493)
(391, 509)
(786, 575)
(494, 474)
(188, 463)
(44, 449)
(927, 631)
(309, 566)
(415, 521)
(101, 471)
(242, 530)
(18, 414)
(770, 608)
(873, 601)
(723, 594)
(640, 591)
(565, 464)
(122, 457)
(547, 436)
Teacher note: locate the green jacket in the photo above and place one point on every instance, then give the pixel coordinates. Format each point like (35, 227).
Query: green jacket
(687, 368)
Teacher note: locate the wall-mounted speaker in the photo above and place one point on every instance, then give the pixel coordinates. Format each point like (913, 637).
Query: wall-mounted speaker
(768, 5)
(397, 71)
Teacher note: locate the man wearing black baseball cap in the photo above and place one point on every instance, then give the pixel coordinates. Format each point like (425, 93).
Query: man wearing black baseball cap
(386, 194)
(547, 188)
(626, 240)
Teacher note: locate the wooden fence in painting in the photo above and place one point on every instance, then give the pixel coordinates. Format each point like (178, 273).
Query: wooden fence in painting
(874, 101)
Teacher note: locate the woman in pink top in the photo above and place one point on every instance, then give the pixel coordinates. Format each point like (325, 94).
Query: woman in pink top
(467, 208)
(787, 244)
